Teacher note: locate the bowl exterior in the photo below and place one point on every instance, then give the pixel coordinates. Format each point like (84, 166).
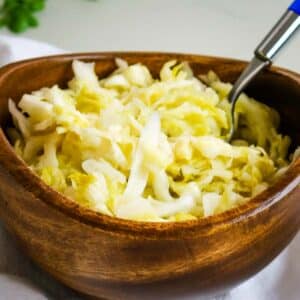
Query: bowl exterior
(116, 259)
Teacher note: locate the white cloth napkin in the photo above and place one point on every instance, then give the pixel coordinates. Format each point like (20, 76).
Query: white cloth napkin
(22, 280)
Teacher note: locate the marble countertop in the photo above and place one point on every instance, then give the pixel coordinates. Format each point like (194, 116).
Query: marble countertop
(216, 27)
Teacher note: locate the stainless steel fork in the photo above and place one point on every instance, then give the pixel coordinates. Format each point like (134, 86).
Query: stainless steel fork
(264, 53)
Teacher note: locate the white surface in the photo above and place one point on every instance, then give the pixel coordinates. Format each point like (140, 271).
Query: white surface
(217, 27)
(16, 48)
(225, 28)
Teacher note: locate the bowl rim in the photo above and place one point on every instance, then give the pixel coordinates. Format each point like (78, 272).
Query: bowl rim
(20, 171)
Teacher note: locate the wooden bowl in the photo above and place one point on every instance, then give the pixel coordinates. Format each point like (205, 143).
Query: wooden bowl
(117, 259)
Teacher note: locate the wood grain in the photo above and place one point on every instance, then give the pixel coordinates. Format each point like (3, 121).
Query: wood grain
(118, 259)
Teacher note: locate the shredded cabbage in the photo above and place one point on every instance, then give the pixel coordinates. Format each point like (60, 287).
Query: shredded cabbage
(147, 149)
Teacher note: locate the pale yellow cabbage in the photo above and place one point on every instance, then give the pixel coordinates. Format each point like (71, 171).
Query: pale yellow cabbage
(147, 149)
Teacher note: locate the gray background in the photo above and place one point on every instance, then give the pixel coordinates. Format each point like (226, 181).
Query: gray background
(217, 27)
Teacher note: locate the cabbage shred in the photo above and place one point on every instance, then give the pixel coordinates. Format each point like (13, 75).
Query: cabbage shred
(147, 149)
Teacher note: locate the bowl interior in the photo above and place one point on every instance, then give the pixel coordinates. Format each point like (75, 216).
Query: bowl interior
(276, 87)
(272, 87)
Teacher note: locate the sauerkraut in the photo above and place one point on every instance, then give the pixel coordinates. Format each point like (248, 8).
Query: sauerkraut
(146, 149)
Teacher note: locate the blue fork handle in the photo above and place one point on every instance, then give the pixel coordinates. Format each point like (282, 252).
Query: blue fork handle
(280, 33)
(295, 7)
